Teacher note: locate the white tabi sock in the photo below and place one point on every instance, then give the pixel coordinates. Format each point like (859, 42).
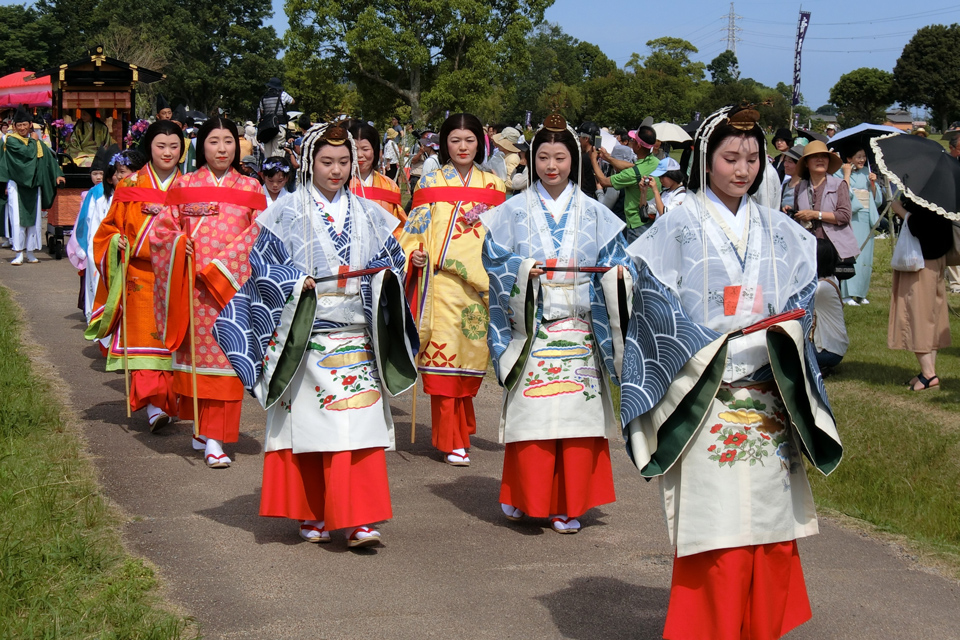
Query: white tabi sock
(214, 448)
(153, 412)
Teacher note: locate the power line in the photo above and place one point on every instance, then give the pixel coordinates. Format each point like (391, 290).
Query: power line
(920, 14)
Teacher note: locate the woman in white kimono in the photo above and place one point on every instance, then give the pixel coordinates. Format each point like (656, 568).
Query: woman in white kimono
(722, 418)
(320, 350)
(553, 341)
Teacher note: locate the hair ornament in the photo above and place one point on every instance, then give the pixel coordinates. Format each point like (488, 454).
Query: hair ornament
(276, 166)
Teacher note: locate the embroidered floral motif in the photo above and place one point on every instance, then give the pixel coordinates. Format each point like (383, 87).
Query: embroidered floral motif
(748, 432)
(473, 321)
(560, 372)
(418, 221)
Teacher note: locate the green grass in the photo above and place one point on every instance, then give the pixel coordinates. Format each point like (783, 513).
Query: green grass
(901, 465)
(63, 570)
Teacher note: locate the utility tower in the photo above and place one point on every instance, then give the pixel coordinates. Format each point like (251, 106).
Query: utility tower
(732, 30)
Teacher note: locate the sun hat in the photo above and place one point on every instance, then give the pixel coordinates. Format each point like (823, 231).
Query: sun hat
(814, 148)
(507, 139)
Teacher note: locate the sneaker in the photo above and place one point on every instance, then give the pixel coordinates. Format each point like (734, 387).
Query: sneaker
(363, 537)
(850, 302)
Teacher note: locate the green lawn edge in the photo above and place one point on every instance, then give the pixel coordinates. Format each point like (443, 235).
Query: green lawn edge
(64, 572)
(901, 468)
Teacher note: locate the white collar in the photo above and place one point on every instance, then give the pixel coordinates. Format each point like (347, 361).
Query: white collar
(556, 207)
(737, 220)
(368, 181)
(333, 207)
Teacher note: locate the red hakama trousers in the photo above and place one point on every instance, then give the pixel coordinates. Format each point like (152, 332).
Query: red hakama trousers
(149, 386)
(567, 477)
(340, 488)
(745, 593)
(451, 408)
(219, 400)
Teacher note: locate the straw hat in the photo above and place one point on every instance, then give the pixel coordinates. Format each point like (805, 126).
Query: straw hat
(507, 139)
(813, 149)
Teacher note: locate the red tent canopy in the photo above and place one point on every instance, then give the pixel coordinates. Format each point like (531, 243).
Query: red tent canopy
(14, 91)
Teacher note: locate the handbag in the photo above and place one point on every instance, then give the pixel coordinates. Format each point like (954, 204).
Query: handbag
(268, 127)
(907, 255)
(845, 267)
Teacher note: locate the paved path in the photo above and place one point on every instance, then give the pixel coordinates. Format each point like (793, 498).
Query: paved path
(451, 565)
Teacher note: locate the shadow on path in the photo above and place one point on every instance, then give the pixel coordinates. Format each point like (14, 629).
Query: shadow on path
(595, 607)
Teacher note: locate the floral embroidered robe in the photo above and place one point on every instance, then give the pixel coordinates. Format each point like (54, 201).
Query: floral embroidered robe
(219, 218)
(320, 361)
(555, 340)
(722, 419)
(136, 207)
(452, 306)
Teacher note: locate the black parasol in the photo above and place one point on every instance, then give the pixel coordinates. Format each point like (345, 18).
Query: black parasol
(923, 170)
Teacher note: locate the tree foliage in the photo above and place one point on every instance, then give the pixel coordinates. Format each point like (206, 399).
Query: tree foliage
(862, 96)
(724, 69)
(23, 41)
(432, 54)
(927, 73)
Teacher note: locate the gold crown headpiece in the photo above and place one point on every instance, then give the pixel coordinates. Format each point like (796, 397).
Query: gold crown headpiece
(747, 116)
(336, 133)
(555, 122)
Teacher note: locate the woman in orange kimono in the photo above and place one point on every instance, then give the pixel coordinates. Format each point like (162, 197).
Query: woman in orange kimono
(371, 184)
(209, 227)
(122, 239)
(452, 309)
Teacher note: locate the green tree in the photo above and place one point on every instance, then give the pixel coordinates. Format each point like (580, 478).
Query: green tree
(23, 42)
(862, 96)
(826, 110)
(724, 69)
(68, 30)
(927, 74)
(218, 51)
(432, 54)
(559, 64)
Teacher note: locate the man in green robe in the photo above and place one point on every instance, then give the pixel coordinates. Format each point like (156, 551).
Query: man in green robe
(90, 135)
(32, 174)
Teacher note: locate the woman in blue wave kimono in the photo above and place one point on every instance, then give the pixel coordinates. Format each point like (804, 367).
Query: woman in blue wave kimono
(556, 336)
(723, 418)
(320, 352)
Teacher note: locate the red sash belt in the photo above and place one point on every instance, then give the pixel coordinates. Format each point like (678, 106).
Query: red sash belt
(188, 195)
(139, 194)
(378, 193)
(426, 195)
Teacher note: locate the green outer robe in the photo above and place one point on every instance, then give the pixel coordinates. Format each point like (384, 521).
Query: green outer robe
(19, 162)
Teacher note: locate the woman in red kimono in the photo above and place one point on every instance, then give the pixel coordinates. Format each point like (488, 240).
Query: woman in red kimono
(208, 228)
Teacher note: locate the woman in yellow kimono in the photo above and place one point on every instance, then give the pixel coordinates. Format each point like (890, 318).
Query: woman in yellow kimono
(444, 230)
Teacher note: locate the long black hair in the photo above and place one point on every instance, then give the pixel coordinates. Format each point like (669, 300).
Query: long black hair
(160, 127)
(363, 131)
(545, 136)
(466, 121)
(721, 132)
(218, 122)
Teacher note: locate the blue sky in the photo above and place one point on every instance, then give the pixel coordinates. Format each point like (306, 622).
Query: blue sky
(842, 36)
